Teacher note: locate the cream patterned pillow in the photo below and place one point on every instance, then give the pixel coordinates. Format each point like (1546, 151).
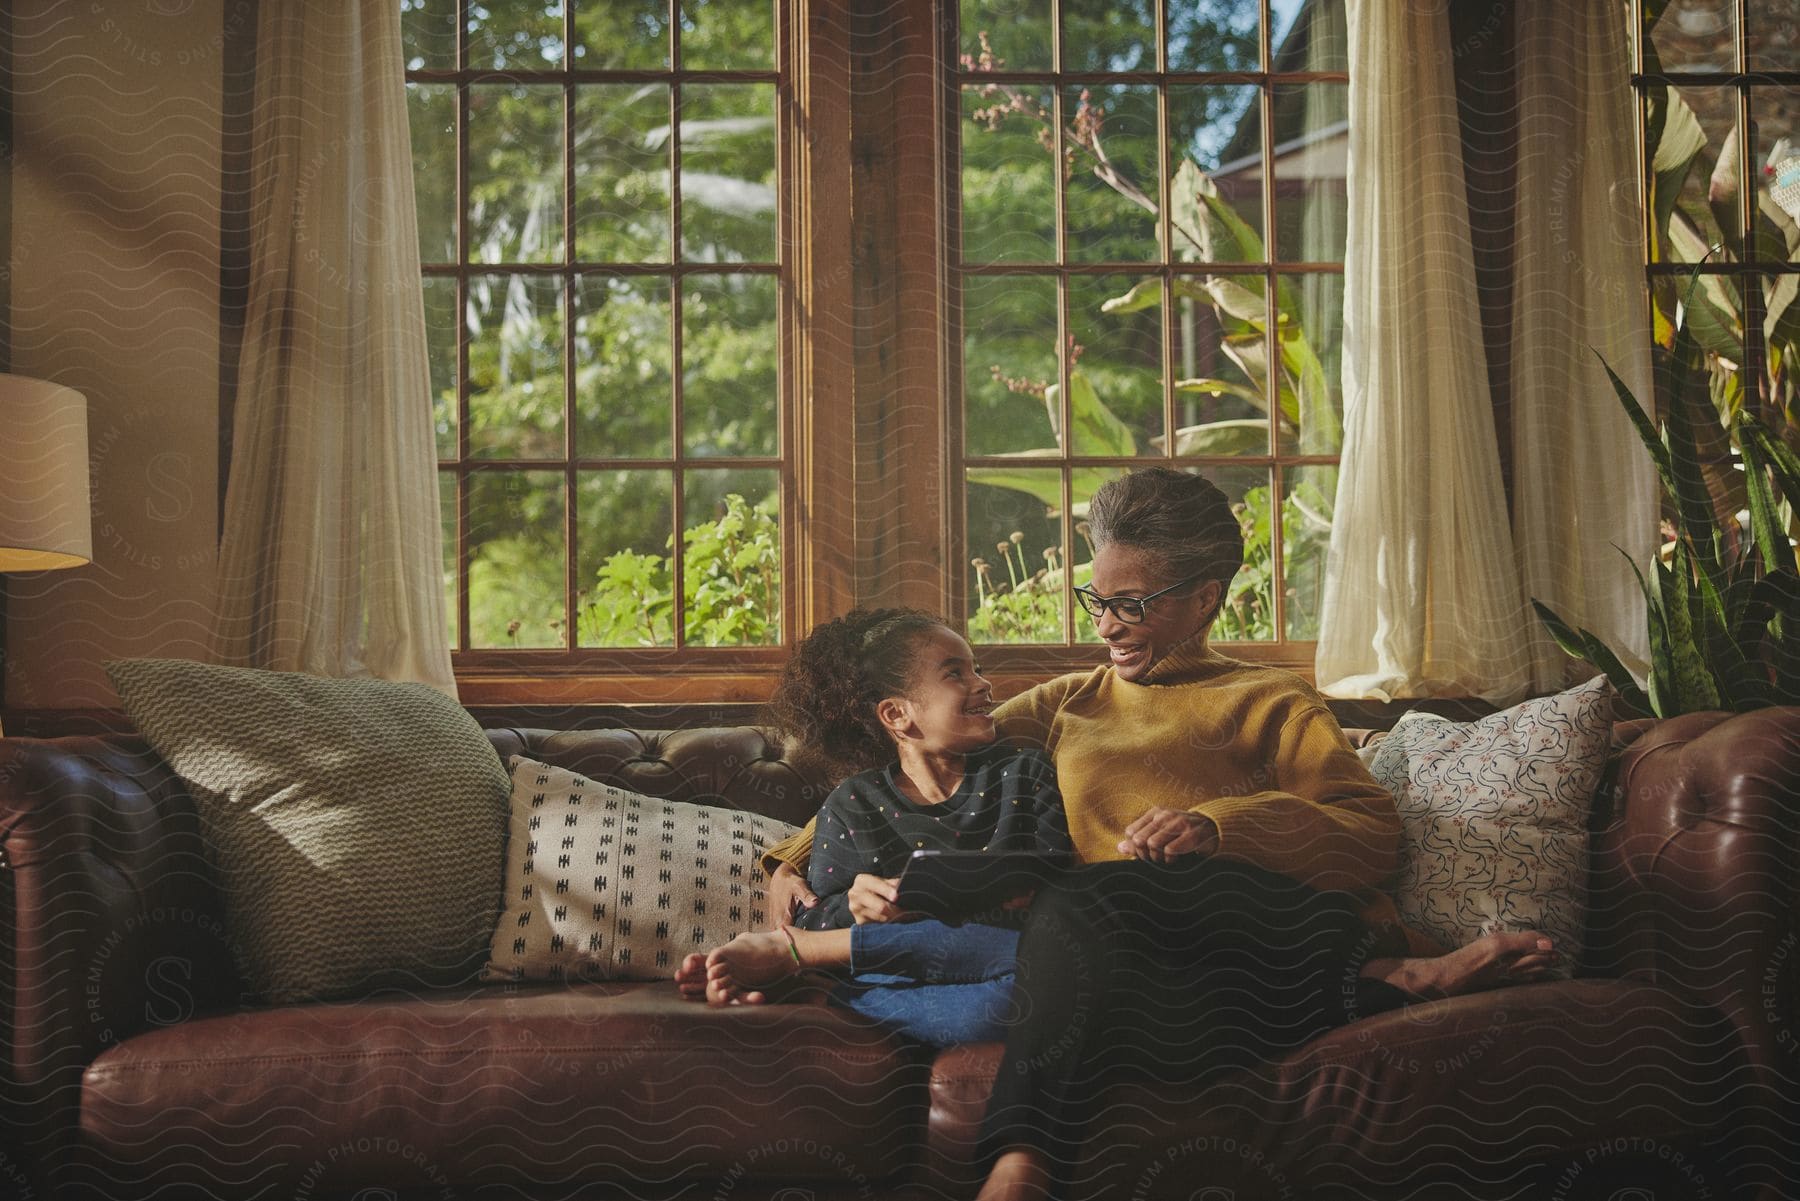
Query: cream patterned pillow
(604, 884)
(1494, 815)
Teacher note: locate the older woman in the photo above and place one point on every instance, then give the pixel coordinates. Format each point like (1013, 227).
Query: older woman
(1236, 849)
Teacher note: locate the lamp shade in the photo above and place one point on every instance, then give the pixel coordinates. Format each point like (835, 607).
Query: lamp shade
(44, 520)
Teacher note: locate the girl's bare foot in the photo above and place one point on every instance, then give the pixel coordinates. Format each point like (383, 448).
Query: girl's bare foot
(1503, 957)
(1018, 1175)
(740, 971)
(690, 977)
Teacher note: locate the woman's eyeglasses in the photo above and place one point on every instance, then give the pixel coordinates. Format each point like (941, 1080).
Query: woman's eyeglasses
(1128, 609)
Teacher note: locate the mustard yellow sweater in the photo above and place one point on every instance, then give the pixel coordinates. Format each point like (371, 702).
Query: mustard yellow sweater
(1253, 748)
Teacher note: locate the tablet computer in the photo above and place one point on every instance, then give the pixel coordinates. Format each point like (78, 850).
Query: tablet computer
(959, 884)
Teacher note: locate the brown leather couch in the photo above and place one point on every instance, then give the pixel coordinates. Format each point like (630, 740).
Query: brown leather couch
(1670, 1067)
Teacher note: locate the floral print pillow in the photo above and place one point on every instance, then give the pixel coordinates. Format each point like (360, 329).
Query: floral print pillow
(1494, 815)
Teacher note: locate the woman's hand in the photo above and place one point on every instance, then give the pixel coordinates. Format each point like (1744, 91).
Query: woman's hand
(872, 899)
(788, 896)
(1165, 835)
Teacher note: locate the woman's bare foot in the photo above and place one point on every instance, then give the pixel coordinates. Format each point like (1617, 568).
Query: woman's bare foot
(1018, 1175)
(740, 971)
(1503, 957)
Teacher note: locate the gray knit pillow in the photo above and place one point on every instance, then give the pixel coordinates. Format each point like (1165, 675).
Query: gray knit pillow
(356, 825)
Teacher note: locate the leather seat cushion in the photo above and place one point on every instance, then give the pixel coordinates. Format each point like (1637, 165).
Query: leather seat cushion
(1474, 1086)
(503, 1084)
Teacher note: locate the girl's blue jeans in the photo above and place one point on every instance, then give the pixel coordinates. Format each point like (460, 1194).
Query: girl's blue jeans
(932, 982)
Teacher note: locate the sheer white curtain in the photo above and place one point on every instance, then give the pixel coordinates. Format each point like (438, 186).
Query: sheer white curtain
(330, 561)
(1582, 482)
(1422, 593)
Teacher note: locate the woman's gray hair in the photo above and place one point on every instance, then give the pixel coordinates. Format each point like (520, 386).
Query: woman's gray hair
(1176, 516)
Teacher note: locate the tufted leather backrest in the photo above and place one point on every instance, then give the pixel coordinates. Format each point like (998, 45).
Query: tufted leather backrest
(1698, 821)
(739, 767)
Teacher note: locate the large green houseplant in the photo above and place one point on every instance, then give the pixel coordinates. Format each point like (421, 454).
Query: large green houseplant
(1723, 607)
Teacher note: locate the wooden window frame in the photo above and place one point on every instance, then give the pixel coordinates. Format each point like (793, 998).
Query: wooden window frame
(1019, 665)
(872, 511)
(811, 79)
(1752, 372)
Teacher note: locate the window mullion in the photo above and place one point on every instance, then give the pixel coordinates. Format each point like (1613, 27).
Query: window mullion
(465, 637)
(1265, 101)
(571, 493)
(677, 376)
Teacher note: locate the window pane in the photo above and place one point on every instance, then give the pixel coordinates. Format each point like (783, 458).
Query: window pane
(447, 539)
(1224, 35)
(1215, 150)
(1311, 318)
(1781, 332)
(1775, 115)
(1008, 201)
(727, 35)
(624, 394)
(526, 36)
(1110, 202)
(1774, 27)
(428, 34)
(622, 173)
(728, 189)
(1249, 612)
(1013, 34)
(1308, 494)
(516, 559)
(1309, 35)
(515, 366)
(624, 578)
(622, 34)
(1312, 148)
(731, 558)
(730, 364)
(1714, 307)
(1221, 387)
(1014, 516)
(515, 174)
(1109, 35)
(440, 354)
(431, 113)
(1115, 368)
(1083, 483)
(1009, 363)
(1687, 130)
(1692, 35)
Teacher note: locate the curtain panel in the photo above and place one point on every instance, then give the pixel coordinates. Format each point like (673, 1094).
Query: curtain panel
(1585, 493)
(330, 561)
(1422, 594)
(1429, 576)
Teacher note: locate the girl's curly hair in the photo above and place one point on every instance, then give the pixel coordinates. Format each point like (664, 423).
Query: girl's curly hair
(835, 678)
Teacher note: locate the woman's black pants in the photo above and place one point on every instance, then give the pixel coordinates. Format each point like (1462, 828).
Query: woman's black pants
(1167, 972)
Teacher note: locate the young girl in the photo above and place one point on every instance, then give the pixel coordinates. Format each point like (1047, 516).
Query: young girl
(896, 693)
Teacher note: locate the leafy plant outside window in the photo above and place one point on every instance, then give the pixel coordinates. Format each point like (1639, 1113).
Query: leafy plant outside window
(1207, 229)
(731, 586)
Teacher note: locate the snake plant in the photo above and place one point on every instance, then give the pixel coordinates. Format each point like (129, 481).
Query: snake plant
(1724, 609)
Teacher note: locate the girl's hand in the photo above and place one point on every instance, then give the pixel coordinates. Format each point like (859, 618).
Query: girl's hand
(788, 896)
(872, 899)
(1165, 835)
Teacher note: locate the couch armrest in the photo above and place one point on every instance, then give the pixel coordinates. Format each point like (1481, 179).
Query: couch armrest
(1695, 887)
(115, 922)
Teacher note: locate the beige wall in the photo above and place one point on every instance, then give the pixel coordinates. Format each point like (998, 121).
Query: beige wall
(115, 269)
